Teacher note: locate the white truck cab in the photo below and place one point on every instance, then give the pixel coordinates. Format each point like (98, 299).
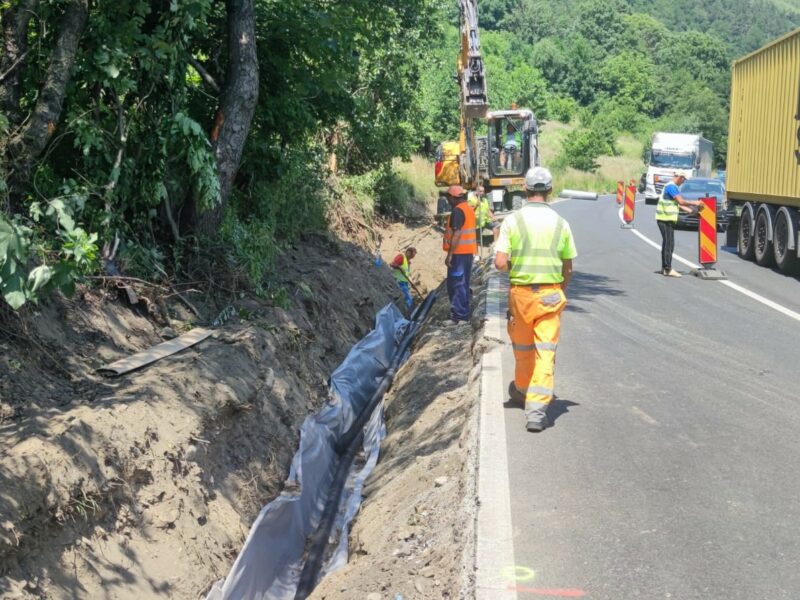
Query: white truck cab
(672, 151)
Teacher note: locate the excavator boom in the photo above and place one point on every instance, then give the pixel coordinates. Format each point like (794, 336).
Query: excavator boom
(471, 72)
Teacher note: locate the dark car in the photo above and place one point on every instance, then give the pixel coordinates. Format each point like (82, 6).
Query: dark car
(704, 187)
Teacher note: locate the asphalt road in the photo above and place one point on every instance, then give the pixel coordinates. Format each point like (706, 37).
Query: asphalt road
(671, 470)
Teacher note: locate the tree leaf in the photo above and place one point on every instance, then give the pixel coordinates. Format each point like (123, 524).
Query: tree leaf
(14, 291)
(39, 277)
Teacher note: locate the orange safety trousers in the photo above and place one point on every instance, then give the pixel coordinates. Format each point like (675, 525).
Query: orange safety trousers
(534, 326)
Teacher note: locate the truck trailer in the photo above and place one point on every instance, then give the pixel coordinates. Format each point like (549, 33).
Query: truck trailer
(763, 173)
(670, 152)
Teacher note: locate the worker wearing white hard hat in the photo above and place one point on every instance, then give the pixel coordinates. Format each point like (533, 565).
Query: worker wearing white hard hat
(536, 248)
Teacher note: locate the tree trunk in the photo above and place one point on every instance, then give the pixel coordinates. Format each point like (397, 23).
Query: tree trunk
(237, 106)
(32, 140)
(15, 49)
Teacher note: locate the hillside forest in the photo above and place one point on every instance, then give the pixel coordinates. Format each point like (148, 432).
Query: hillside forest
(186, 139)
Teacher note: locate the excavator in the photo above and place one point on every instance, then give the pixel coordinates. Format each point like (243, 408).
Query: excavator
(500, 159)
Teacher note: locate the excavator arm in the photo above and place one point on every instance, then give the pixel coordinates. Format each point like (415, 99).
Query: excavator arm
(471, 72)
(457, 162)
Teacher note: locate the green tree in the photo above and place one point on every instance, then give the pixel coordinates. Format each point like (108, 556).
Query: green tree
(630, 79)
(493, 12)
(601, 23)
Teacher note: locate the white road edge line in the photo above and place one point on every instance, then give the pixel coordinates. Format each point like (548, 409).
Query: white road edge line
(734, 286)
(494, 548)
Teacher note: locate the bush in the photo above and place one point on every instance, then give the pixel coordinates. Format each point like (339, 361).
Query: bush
(382, 190)
(251, 246)
(582, 148)
(562, 108)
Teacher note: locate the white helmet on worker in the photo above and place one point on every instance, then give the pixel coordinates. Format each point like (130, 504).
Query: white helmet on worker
(538, 179)
(683, 173)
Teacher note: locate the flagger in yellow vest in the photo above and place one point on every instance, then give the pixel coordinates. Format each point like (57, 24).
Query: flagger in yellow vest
(537, 249)
(669, 205)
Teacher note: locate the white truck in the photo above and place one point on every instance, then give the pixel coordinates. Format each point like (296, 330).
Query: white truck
(672, 151)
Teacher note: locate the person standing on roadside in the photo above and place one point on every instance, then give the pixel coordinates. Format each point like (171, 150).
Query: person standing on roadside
(484, 216)
(401, 269)
(486, 220)
(460, 243)
(670, 203)
(536, 248)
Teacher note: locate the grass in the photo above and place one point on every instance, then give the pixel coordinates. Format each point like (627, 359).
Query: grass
(418, 174)
(628, 165)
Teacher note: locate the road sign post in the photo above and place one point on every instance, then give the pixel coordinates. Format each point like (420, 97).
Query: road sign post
(620, 192)
(628, 211)
(707, 241)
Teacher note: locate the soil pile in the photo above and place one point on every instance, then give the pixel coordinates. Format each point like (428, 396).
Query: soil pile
(145, 486)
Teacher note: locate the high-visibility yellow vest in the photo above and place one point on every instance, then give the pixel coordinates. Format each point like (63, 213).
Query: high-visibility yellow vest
(483, 213)
(535, 235)
(667, 209)
(403, 274)
(468, 242)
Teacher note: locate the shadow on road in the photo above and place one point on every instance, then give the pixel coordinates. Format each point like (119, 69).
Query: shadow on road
(584, 287)
(559, 407)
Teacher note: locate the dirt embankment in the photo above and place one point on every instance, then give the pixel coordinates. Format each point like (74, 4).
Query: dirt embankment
(145, 486)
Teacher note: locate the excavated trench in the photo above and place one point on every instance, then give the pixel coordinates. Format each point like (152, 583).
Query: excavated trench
(302, 536)
(303, 533)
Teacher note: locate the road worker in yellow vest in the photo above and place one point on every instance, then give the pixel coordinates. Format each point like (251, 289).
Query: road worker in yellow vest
(536, 248)
(401, 268)
(483, 213)
(670, 203)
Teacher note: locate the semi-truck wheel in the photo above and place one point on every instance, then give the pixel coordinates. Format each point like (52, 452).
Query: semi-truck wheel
(746, 248)
(785, 258)
(732, 234)
(763, 247)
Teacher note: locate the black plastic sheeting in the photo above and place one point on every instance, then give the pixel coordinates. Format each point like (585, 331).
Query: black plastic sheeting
(269, 565)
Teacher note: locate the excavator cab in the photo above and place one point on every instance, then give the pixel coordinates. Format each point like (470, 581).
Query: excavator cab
(512, 146)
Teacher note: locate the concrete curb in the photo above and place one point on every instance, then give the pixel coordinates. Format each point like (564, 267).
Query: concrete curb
(495, 539)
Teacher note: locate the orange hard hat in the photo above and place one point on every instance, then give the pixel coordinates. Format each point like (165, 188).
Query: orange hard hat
(456, 191)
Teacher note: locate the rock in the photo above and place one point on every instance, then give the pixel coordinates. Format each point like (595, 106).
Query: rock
(168, 333)
(429, 571)
(440, 481)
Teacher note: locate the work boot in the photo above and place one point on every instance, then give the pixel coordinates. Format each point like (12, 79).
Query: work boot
(538, 425)
(515, 395)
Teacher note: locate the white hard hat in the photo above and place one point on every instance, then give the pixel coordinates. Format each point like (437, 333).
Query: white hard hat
(538, 179)
(683, 173)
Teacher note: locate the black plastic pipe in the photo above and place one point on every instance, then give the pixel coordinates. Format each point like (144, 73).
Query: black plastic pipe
(417, 317)
(318, 542)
